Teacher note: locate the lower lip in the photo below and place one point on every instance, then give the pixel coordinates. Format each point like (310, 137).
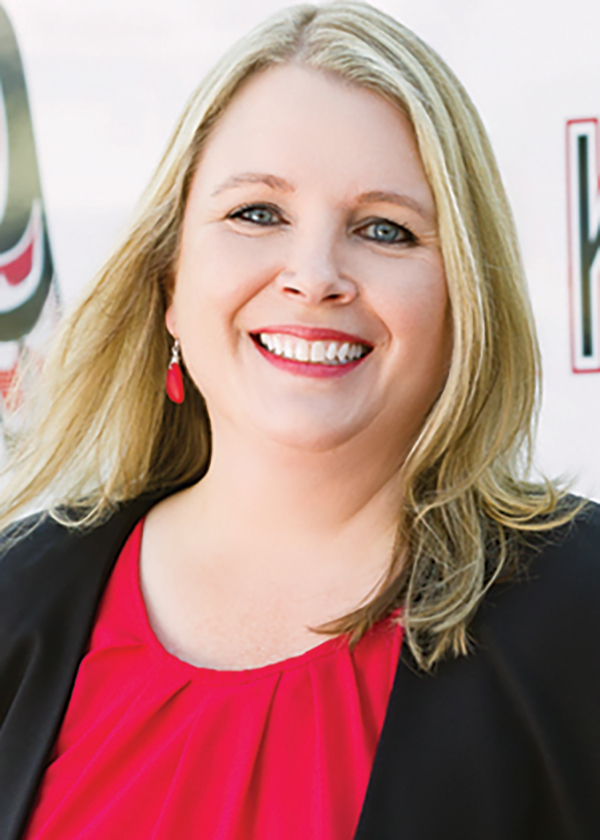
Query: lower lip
(317, 371)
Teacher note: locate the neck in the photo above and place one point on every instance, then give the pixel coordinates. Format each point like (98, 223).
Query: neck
(282, 504)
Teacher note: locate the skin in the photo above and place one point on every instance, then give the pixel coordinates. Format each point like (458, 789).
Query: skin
(294, 523)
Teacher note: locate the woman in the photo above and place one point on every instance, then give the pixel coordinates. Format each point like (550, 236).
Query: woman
(327, 259)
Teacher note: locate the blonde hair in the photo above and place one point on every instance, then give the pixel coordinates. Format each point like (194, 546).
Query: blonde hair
(101, 431)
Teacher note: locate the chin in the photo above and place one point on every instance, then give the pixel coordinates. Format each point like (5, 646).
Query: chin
(309, 434)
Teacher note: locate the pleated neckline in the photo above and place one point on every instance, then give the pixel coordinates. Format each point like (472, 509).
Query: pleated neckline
(152, 747)
(137, 623)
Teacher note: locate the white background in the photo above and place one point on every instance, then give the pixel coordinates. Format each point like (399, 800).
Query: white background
(107, 79)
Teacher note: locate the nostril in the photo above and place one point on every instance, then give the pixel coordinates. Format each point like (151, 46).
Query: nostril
(315, 288)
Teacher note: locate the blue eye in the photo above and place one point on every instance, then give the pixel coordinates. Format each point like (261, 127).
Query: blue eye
(387, 233)
(257, 214)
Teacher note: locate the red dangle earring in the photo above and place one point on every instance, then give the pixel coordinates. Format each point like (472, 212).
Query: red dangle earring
(174, 381)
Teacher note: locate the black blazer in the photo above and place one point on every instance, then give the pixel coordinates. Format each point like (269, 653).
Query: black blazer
(503, 744)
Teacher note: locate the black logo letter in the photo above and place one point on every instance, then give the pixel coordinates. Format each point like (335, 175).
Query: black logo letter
(584, 242)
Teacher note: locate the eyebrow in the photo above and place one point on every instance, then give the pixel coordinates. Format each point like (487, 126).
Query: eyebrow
(370, 197)
(254, 178)
(391, 197)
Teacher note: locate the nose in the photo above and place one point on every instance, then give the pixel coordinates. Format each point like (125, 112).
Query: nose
(314, 276)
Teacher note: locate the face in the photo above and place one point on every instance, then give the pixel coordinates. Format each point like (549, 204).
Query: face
(310, 299)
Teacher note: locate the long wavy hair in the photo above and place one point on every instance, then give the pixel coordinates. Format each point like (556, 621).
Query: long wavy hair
(99, 430)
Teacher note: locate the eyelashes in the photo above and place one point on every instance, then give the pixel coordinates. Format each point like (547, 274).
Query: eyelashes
(390, 233)
(255, 213)
(383, 231)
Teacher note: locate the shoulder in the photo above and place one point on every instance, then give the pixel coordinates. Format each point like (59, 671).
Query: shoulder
(551, 607)
(28, 550)
(45, 565)
(565, 561)
(23, 541)
(578, 541)
(33, 574)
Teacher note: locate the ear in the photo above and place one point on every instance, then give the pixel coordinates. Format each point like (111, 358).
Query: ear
(170, 321)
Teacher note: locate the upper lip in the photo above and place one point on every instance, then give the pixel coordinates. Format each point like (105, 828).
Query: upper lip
(313, 333)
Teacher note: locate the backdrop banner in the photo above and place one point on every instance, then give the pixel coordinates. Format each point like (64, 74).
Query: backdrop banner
(28, 295)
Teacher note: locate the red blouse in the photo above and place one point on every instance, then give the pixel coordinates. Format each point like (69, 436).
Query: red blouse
(153, 748)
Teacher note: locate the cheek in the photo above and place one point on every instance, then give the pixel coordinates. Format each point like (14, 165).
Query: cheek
(218, 276)
(412, 301)
(219, 272)
(410, 296)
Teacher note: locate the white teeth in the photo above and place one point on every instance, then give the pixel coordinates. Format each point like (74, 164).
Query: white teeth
(288, 348)
(331, 352)
(302, 350)
(343, 352)
(315, 352)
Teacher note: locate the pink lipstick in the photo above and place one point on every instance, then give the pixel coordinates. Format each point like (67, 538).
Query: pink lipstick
(311, 351)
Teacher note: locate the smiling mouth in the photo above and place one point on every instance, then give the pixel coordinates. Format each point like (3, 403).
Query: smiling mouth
(322, 353)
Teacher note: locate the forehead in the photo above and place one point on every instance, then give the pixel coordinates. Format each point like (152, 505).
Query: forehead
(304, 125)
